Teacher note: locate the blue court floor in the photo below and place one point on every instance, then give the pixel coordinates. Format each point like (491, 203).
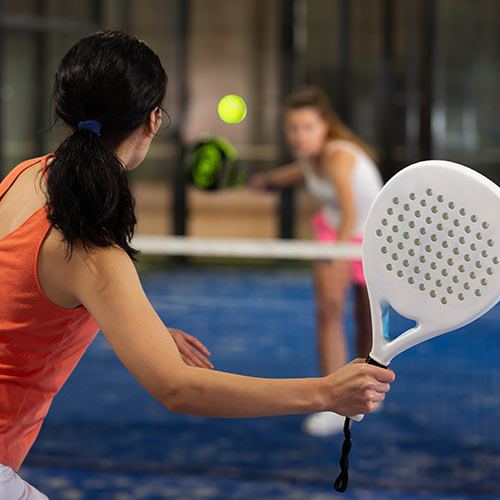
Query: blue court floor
(437, 437)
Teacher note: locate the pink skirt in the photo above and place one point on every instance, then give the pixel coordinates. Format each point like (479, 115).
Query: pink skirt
(324, 232)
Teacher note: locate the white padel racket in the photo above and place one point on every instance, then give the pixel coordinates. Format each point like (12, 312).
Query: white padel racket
(431, 251)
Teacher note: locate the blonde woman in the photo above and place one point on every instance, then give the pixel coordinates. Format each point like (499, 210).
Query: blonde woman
(339, 170)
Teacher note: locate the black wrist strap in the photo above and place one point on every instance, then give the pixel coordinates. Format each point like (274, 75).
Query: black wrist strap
(342, 480)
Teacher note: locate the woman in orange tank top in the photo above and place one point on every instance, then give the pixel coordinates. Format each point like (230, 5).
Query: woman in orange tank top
(66, 263)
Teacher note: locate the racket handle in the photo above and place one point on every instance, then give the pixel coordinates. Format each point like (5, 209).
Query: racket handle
(357, 418)
(370, 361)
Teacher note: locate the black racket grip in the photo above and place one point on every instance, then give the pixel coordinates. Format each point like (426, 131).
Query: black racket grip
(371, 361)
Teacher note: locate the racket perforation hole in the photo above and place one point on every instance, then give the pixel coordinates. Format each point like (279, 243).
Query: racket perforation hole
(416, 270)
(439, 283)
(451, 233)
(439, 255)
(477, 292)
(495, 260)
(389, 239)
(445, 216)
(384, 250)
(440, 198)
(422, 231)
(484, 254)
(384, 222)
(411, 252)
(434, 209)
(401, 218)
(434, 237)
(467, 229)
(400, 274)
(473, 247)
(443, 300)
(478, 264)
(413, 197)
(421, 287)
(473, 218)
(467, 286)
(461, 268)
(433, 266)
(449, 290)
(422, 259)
(444, 244)
(411, 280)
(479, 236)
(489, 271)
(439, 226)
(450, 261)
(389, 267)
(395, 200)
(444, 272)
(472, 275)
(406, 235)
(461, 240)
(451, 205)
(395, 256)
(428, 276)
(411, 224)
(455, 279)
(406, 263)
(485, 225)
(406, 207)
(467, 257)
(428, 220)
(461, 296)
(418, 213)
(423, 203)
(433, 294)
(456, 251)
(417, 241)
(390, 211)
(490, 243)
(462, 212)
(456, 222)
(428, 192)
(484, 282)
(400, 246)
(378, 232)
(395, 228)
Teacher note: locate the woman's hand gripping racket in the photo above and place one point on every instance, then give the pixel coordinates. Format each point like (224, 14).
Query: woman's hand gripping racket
(431, 251)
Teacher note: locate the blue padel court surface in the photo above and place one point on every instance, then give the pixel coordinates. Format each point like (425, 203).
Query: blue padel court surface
(437, 436)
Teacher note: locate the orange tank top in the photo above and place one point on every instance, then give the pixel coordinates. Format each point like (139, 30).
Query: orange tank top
(40, 342)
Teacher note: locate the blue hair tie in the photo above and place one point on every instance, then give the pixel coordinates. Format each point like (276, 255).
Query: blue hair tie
(92, 126)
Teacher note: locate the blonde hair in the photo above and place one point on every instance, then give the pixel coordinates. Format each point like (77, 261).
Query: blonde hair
(314, 97)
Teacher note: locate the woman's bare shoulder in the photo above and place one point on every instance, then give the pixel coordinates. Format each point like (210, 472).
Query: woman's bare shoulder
(63, 271)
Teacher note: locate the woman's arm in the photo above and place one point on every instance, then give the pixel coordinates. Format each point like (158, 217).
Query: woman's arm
(287, 175)
(106, 282)
(340, 165)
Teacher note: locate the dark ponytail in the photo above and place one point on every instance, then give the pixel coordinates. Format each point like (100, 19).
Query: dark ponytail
(116, 80)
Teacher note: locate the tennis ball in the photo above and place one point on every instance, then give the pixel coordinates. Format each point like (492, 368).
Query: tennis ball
(232, 109)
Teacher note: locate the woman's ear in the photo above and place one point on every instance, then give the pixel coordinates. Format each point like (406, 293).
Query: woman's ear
(154, 122)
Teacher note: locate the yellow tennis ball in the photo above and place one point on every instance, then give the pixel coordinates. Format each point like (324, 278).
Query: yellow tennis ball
(232, 109)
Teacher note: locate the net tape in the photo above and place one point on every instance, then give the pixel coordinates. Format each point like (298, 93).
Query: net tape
(245, 248)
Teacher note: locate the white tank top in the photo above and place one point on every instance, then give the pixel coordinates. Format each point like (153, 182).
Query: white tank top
(365, 180)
